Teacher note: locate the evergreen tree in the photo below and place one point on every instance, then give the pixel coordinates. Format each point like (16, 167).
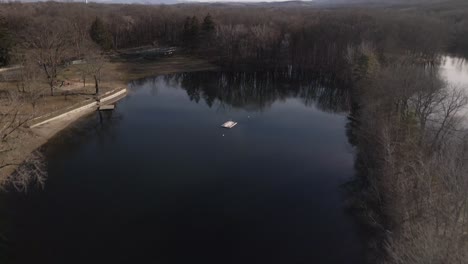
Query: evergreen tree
(186, 32)
(194, 32)
(100, 34)
(191, 32)
(5, 43)
(194, 26)
(208, 25)
(208, 29)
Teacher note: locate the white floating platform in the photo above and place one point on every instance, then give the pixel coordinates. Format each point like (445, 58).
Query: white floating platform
(229, 124)
(106, 107)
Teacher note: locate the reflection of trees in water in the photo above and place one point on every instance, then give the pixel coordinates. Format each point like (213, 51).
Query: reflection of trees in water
(150, 83)
(100, 126)
(259, 90)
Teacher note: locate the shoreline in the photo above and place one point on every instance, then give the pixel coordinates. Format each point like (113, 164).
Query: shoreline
(53, 124)
(41, 129)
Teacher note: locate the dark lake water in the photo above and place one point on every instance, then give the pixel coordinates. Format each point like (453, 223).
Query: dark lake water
(159, 181)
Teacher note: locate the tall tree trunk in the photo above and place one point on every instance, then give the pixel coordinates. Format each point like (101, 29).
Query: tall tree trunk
(49, 77)
(96, 83)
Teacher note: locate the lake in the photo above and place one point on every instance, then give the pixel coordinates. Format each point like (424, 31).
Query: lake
(159, 181)
(455, 71)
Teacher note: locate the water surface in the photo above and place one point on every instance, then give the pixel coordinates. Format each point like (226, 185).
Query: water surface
(455, 71)
(158, 180)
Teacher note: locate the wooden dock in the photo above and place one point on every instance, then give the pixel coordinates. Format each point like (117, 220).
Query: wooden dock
(106, 107)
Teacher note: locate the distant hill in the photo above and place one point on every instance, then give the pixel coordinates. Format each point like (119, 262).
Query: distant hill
(271, 3)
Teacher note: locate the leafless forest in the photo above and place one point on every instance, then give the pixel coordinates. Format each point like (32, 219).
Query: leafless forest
(406, 123)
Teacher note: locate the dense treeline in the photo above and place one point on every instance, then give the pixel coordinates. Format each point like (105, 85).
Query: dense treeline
(406, 123)
(409, 130)
(303, 38)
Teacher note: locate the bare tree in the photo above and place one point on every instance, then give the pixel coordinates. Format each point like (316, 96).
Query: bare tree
(28, 81)
(91, 66)
(13, 116)
(95, 63)
(79, 34)
(414, 149)
(448, 119)
(31, 171)
(49, 43)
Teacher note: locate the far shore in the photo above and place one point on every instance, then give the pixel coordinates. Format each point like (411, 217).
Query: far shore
(68, 108)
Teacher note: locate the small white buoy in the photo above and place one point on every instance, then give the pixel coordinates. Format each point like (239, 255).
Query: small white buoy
(223, 135)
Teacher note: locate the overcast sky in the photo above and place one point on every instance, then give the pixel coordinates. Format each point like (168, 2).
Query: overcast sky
(181, 1)
(244, 0)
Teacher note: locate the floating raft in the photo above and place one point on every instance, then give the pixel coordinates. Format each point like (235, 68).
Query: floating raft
(229, 124)
(106, 107)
